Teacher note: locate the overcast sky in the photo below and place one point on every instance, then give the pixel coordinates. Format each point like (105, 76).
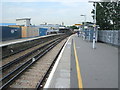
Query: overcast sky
(50, 11)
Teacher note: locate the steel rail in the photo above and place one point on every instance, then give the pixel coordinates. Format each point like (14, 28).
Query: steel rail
(29, 47)
(42, 81)
(18, 71)
(22, 57)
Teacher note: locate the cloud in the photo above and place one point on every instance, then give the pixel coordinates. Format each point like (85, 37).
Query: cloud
(72, 3)
(45, 1)
(50, 12)
(61, 1)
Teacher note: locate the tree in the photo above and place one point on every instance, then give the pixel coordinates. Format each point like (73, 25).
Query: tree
(74, 27)
(107, 15)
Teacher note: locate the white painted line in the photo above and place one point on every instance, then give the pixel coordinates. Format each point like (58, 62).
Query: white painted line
(55, 66)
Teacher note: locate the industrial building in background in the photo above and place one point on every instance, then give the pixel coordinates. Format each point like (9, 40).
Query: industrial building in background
(24, 29)
(23, 21)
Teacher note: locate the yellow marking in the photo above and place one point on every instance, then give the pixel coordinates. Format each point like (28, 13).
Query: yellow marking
(80, 85)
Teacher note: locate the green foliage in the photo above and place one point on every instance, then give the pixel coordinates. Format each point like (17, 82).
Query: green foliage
(74, 27)
(108, 15)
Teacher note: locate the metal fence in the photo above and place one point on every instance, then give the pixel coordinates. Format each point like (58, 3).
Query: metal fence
(109, 36)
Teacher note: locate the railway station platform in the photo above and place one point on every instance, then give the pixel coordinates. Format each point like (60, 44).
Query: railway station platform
(15, 41)
(81, 66)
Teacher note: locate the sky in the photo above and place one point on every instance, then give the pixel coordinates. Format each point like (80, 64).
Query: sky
(50, 11)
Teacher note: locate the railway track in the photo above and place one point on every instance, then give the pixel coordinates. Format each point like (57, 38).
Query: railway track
(14, 49)
(16, 60)
(41, 67)
(22, 53)
(12, 64)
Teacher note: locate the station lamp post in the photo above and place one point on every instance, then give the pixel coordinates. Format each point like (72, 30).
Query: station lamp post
(84, 16)
(84, 19)
(94, 21)
(84, 25)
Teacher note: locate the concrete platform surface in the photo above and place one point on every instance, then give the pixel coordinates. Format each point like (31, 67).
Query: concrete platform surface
(98, 67)
(15, 41)
(60, 75)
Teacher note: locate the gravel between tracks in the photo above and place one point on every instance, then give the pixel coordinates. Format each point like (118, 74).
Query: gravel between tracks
(15, 56)
(5, 72)
(31, 76)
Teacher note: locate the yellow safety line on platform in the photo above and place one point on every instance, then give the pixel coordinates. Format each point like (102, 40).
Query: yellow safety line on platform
(80, 85)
